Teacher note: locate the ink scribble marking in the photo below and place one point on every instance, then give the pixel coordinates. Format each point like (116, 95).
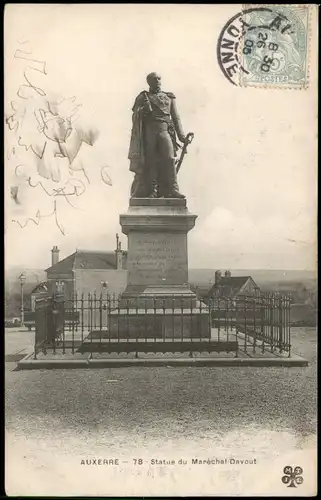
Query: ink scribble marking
(44, 127)
(14, 194)
(40, 216)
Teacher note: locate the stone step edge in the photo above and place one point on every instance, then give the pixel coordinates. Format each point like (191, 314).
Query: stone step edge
(28, 362)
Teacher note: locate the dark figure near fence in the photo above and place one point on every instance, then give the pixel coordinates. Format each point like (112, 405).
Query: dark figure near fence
(153, 146)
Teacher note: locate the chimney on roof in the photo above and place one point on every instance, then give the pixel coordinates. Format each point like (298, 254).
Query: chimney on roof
(54, 255)
(218, 276)
(227, 274)
(119, 254)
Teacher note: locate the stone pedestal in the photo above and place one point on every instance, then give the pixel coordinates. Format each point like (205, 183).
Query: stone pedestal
(157, 271)
(157, 241)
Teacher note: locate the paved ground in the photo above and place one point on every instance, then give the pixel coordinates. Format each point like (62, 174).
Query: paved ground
(18, 340)
(55, 419)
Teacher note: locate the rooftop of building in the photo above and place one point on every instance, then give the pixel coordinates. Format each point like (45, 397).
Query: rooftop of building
(229, 286)
(40, 287)
(86, 259)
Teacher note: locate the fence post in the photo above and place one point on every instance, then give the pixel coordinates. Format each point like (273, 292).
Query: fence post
(155, 317)
(191, 326)
(100, 301)
(89, 309)
(254, 324)
(263, 317)
(207, 303)
(191, 323)
(72, 322)
(245, 323)
(145, 322)
(236, 327)
(182, 319)
(227, 314)
(271, 311)
(54, 321)
(128, 321)
(173, 316)
(219, 318)
(199, 323)
(289, 322)
(271, 319)
(63, 325)
(108, 307)
(118, 317)
(281, 306)
(39, 321)
(82, 319)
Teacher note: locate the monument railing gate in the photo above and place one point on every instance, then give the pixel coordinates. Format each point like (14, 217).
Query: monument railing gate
(109, 324)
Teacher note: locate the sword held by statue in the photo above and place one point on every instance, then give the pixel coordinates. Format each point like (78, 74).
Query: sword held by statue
(188, 140)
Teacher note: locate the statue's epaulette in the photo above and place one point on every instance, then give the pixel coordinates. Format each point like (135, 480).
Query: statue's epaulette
(171, 95)
(140, 94)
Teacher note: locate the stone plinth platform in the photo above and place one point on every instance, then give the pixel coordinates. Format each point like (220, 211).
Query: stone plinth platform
(159, 296)
(159, 323)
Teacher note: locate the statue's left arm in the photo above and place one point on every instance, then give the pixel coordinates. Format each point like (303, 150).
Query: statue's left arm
(176, 119)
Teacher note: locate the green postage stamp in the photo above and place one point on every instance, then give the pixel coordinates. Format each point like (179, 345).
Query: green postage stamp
(274, 48)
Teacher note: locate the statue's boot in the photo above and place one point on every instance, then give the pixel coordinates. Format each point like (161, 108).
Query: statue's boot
(175, 194)
(139, 188)
(172, 182)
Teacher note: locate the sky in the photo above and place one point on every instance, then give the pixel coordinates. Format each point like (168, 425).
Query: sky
(250, 173)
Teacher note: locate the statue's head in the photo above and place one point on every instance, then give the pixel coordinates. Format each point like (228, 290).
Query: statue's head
(154, 81)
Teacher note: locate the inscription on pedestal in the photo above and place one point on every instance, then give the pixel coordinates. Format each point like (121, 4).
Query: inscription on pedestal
(157, 258)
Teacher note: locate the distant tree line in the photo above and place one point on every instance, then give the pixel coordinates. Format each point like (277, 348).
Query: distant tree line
(300, 293)
(12, 304)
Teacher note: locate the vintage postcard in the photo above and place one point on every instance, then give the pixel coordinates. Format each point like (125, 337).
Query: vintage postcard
(160, 250)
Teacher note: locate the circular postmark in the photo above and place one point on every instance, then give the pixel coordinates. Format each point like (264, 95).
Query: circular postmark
(265, 46)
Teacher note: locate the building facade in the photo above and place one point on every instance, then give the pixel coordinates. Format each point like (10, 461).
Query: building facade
(38, 291)
(87, 271)
(233, 286)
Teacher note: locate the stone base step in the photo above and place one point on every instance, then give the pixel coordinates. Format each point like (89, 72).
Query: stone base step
(29, 363)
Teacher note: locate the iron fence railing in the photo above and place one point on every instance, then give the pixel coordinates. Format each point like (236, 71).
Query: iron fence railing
(261, 322)
(109, 323)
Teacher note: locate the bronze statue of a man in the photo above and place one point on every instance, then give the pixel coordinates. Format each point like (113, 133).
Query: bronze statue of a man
(153, 146)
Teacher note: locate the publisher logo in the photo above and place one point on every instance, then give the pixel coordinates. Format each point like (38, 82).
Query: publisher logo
(292, 477)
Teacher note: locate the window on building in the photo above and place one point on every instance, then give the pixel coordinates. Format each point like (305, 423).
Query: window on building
(60, 285)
